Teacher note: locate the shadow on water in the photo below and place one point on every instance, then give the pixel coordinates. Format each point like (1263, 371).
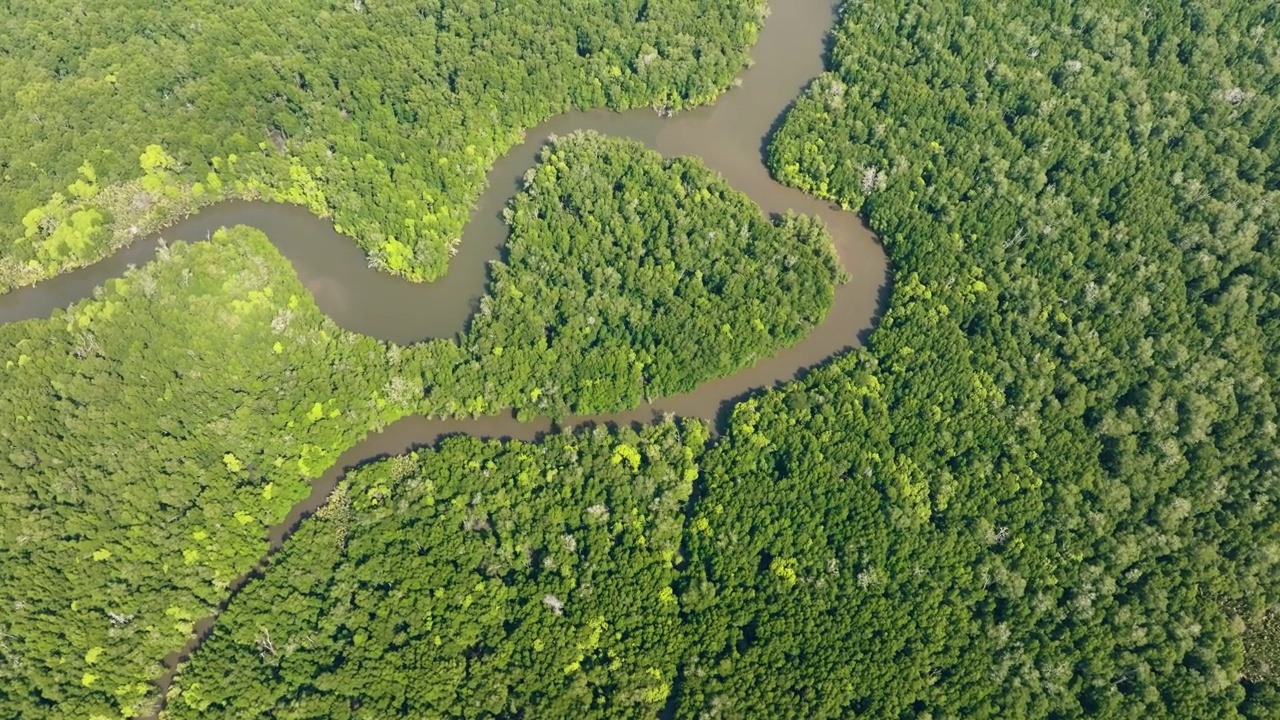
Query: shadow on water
(828, 45)
(730, 137)
(774, 127)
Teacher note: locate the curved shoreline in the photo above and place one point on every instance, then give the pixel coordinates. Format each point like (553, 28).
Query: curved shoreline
(727, 136)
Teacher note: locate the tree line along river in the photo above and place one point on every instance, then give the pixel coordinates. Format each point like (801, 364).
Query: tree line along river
(729, 136)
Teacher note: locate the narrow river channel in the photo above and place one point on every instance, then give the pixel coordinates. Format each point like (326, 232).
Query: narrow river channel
(728, 136)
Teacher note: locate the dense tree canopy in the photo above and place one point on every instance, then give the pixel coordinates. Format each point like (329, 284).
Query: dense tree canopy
(627, 275)
(156, 429)
(479, 579)
(1047, 488)
(150, 435)
(385, 115)
(1079, 359)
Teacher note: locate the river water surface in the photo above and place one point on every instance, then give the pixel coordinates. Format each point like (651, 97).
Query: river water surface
(728, 136)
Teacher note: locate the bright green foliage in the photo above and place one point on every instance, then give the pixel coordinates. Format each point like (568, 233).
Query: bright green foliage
(181, 410)
(1047, 487)
(150, 435)
(627, 275)
(59, 232)
(155, 161)
(385, 115)
(480, 579)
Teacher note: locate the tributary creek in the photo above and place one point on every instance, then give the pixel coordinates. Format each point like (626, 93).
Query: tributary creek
(729, 136)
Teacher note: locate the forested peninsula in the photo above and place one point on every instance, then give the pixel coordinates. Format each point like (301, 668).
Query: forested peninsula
(1046, 487)
(627, 276)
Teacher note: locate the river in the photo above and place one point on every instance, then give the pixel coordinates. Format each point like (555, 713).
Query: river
(729, 136)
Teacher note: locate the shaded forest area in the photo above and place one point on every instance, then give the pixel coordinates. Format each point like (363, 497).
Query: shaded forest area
(1080, 357)
(384, 116)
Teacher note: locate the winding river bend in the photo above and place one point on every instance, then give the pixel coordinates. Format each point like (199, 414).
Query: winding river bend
(728, 136)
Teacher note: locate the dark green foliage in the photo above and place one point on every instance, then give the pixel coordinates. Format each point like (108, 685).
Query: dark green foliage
(1046, 489)
(479, 579)
(1079, 356)
(820, 569)
(1048, 486)
(150, 435)
(628, 276)
(156, 429)
(385, 115)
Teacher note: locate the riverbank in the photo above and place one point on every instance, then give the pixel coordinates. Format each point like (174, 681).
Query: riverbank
(728, 136)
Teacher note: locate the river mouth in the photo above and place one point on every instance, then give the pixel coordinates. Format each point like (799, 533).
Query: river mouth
(727, 136)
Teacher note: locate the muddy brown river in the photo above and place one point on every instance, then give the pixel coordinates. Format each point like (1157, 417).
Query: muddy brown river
(728, 136)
